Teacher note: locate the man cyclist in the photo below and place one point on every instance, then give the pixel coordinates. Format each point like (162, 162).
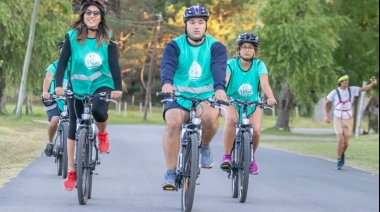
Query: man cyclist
(51, 108)
(192, 64)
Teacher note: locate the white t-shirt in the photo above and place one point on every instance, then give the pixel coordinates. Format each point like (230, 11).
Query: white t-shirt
(343, 109)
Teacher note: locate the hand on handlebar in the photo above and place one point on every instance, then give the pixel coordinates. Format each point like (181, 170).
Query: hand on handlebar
(167, 88)
(271, 102)
(221, 95)
(59, 91)
(116, 94)
(45, 95)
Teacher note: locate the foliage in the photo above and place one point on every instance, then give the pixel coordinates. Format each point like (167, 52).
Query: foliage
(358, 50)
(298, 41)
(52, 22)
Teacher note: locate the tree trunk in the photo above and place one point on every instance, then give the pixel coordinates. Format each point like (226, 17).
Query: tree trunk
(3, 92)
(284, 107)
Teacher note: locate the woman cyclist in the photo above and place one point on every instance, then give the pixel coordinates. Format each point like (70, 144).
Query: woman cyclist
(94, 69)
(244, 75)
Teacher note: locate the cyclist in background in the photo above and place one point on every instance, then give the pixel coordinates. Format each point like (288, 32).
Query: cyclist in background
(94, 69)
(51, 108)
(245, 74)
(194, 65)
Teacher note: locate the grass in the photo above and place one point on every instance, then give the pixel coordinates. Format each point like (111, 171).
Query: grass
(362, 153)
(21, 141)
(18, 151)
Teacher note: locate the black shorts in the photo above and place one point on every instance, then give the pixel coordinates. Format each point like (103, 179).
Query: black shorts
(53, 112)
(170, 105)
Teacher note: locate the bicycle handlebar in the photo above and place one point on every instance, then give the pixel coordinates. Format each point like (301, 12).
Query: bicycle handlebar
(102, 95)
(215, 103)
(260, 103)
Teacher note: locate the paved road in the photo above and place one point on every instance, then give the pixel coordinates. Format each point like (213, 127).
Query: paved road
(130, 178)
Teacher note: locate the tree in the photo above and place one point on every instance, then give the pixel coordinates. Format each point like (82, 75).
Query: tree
(298, 41)
(14, 31)
(358, 50)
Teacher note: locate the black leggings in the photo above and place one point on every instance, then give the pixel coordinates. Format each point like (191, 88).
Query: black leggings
(99, 110)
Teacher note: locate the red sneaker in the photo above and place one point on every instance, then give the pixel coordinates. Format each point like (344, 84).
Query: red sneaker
(70, 181)
(104, 143)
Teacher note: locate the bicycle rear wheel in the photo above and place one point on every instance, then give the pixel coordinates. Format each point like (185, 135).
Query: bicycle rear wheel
(82, 166)
(190, 165)
(65, 164)
(245, 163)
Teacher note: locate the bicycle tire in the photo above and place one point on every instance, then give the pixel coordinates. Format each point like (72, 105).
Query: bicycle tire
(190, 165)
(93, 164)
(58, 156)
(65, 163)
(82, 166)
(245, 163)
(90, 185)
(234, 170)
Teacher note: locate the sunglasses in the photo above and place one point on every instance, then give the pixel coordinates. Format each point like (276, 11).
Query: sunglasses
(95, 12)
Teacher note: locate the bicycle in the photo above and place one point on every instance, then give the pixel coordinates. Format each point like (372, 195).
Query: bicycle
(241, 154)
(86, 155)
(188, 169)
(60, 141)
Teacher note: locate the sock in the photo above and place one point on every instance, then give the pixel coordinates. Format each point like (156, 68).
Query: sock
(170, 171)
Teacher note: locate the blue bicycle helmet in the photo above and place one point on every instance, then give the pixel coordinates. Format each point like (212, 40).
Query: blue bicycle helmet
(99, 3)
(195, 11)
(248, 38)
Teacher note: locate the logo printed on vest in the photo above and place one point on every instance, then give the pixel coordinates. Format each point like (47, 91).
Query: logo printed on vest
(195, 71)
(93, 60)
(64, 84)
(245, 90)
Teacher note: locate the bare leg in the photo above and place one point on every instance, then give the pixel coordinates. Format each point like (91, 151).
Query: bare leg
(230, 115)
(52, 127)
(102, 126)
(339, 145)
(255, 119)
(174, 118)
(70, 154)
(210, 122)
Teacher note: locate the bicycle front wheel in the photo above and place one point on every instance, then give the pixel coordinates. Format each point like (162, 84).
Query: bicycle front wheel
(64, 133)
(244, 164)
(57, 152)
(190, 168)
(234, 169)
(82, 166)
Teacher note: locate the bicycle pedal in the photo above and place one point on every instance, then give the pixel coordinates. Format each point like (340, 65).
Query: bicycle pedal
(206, 167)
(95, 173)
(168, 188)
